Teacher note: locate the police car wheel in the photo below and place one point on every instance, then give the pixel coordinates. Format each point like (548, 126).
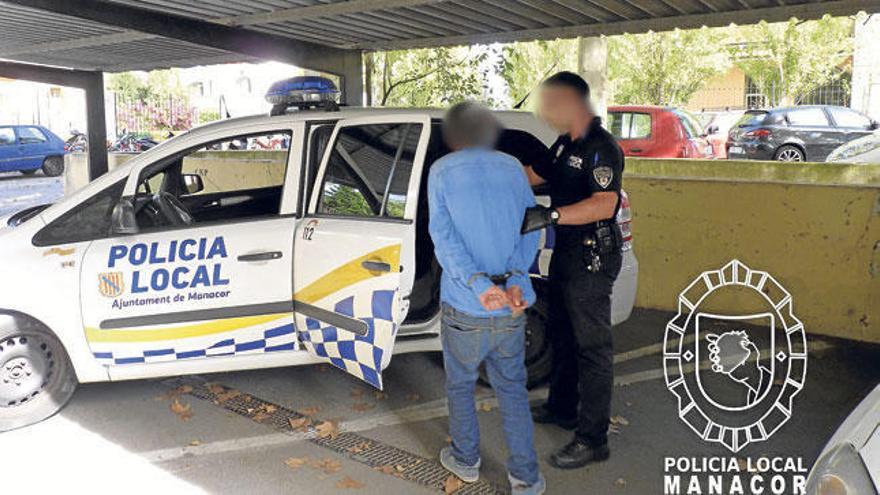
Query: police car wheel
(36, 378)
(538, 355)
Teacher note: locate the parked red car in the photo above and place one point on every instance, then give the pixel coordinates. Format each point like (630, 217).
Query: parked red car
(658, 132)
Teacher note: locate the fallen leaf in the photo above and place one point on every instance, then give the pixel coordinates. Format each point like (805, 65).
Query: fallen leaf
(619, 420)
(296, 462)
(247, 398)
(269, 408)
(357, 449)
(452, 484)
(485, 407)
(413, 397)
(357, 393)
(620, 482)
(327, 429)
(195, 443)
(228, 395)
(308, 411)
(400, 468)
(385, 469)
(261, 416)
(347, 482)
(215, 388)
(181, 409)
(362, 406)
(328, 465)
(175, 392)
(380, 395)
(300, 423)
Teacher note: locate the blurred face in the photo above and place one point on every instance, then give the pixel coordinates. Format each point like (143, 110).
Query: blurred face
(560, 106)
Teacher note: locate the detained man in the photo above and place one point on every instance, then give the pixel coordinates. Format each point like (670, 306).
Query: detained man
(477, 198)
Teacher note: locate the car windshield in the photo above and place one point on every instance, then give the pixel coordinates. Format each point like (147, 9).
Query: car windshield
(752, 118)
(690, 123)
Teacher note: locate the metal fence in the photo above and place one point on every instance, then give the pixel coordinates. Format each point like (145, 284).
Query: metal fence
(837, 92)
(153, 116)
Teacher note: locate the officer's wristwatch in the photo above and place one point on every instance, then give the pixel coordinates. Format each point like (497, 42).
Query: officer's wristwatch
(554, 216)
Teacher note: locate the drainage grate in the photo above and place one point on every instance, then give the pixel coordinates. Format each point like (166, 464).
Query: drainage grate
(385, 458)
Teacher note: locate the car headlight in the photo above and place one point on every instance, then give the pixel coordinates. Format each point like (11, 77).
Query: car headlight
(840, 471)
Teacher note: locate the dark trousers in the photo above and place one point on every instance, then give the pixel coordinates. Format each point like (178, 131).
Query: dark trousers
(580, 335)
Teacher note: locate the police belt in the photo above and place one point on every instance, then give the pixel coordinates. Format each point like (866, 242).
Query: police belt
(603, 236)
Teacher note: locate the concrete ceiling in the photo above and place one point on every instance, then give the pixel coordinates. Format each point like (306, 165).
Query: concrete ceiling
(109, 35)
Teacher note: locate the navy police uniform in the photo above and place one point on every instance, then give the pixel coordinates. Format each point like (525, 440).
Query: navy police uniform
(581, 278)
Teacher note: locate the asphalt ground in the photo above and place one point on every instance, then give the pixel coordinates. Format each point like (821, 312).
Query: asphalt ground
(125, 436)
(18, 191)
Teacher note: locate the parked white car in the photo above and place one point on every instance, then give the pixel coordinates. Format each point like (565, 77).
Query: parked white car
(204, 255)
(850, 462)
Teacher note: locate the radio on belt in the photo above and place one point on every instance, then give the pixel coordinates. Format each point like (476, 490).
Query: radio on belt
(605, 239)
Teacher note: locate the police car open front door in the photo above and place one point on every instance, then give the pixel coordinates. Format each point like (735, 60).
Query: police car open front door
(354, 257)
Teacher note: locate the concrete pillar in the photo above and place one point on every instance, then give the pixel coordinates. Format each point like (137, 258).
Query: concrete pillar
(866, 70)
(352, 77)
(593, 67)
(96, 124)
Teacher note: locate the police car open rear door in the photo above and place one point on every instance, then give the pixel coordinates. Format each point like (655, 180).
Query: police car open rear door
(354, 256)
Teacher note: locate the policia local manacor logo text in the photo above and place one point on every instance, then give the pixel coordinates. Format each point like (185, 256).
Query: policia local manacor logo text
(197, 266)
(735, 376)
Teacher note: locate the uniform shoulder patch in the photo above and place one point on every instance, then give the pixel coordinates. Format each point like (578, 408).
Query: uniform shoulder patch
(603, 175)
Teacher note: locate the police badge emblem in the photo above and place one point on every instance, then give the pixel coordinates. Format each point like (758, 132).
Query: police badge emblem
(575, 162)
(603, 175)
(111, 284)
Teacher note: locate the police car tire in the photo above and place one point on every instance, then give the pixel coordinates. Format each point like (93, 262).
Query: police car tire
(60, 384)
(53, 166)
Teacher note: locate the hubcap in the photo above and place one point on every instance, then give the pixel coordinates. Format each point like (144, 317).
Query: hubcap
(26, 366)
(789, 155)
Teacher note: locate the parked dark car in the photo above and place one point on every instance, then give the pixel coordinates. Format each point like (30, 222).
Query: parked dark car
(28, 148)
(795, 134)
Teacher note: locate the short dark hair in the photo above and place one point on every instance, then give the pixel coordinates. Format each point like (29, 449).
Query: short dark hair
(569, 80)
(470, 124)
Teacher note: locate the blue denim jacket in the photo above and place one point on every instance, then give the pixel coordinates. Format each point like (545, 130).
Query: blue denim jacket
(477, 199)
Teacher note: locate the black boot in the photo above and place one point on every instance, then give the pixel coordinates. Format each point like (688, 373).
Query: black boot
(542, 415)
(578, 454)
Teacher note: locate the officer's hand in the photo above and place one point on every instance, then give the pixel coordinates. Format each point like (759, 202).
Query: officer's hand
(494, 298)
(517, 303)
(536, 218)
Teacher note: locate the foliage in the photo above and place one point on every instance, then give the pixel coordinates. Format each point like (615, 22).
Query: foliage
(524, 64)
(664, 68)
(346, 200)
(206, 116)
(788, 60)
(427, 77)
(154, 103)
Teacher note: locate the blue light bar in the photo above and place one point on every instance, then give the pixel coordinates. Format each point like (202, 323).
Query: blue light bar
(302, 91)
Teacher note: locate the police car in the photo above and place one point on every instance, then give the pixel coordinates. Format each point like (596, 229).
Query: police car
(255, 242)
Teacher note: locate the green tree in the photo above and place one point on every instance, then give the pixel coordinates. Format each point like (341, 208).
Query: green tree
(664, 68)
(426, 77)
(788, 60)
(524, 64)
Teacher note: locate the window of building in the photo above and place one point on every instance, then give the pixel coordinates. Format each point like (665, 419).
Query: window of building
(369, 170)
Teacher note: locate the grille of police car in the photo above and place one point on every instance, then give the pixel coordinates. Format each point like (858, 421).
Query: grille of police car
(359, 448)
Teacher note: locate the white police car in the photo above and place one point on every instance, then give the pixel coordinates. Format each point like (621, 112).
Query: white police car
(248, 243)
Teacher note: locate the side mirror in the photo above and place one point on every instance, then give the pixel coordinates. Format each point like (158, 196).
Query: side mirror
(712, 129)
(122, 219)
(874, 125)
(193, 183)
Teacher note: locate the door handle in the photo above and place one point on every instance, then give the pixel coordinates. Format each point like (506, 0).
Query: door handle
(268, 255)
(636, 150)
(376, 266)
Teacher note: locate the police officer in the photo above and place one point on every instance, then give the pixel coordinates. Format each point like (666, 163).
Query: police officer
(584, 175)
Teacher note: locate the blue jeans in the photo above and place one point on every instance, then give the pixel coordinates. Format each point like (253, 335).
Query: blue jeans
(500, 342)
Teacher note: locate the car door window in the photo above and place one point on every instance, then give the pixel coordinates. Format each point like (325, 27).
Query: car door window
(629, 125)
(7, 136)
(808, 117)
(369, 170)
(31, 135)
(849, 118)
